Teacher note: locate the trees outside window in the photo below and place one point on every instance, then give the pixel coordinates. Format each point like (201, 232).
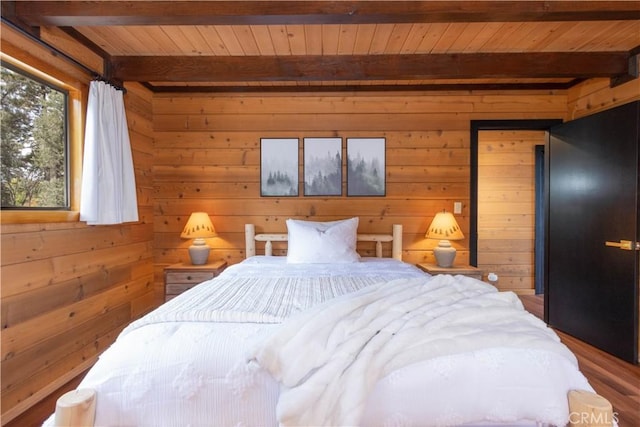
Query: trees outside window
(34, 142)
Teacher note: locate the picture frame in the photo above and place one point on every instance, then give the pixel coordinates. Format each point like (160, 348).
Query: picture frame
(279, 167)
(366, 167)
(322, 166)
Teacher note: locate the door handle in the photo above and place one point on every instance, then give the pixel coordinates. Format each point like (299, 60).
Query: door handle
(626, 245)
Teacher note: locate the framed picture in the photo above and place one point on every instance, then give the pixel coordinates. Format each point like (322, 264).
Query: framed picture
(323, 166)
(366, 167)
(279, 167)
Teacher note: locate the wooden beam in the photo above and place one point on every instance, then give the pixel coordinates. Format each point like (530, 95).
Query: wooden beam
(353, 88)
(632, 73)
(369, 67)
(83, 13)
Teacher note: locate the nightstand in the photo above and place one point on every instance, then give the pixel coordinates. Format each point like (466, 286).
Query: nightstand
(180, 277)
(465, 270)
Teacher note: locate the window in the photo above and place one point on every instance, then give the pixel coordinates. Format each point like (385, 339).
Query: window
(34, 142)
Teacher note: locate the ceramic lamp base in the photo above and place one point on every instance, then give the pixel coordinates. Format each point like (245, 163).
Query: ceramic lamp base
(445, 254)
(199, 252)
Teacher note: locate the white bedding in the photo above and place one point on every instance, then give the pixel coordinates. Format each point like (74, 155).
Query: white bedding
(329, 358)
(186, 363)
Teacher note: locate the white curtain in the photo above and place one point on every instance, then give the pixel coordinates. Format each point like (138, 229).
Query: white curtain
(108, 193)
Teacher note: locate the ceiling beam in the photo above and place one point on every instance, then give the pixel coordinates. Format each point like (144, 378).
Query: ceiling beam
(470, 86)
(369, 67)
(83, 13)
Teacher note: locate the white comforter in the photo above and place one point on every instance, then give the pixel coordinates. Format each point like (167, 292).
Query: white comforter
(186, 363)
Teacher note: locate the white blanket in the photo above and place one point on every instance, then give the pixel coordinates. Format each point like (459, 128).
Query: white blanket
(329, 358)
(185, 364)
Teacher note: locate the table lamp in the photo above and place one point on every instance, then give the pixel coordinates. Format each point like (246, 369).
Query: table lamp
(445, 228)
(199, 227)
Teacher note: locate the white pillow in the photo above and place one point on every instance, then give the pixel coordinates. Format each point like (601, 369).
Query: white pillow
(322, 242)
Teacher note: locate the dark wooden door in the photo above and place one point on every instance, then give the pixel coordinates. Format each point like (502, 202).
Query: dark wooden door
(592, 288)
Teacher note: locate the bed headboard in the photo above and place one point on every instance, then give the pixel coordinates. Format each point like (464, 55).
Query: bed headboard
(395, 238)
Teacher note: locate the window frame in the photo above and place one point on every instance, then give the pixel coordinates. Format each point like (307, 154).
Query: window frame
(75, 119)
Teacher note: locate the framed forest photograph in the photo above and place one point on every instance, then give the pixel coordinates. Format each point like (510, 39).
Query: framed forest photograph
(279, 167)
(322, 166)
(366, 166)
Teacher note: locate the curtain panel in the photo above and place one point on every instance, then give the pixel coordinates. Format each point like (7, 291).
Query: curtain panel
(108, 194)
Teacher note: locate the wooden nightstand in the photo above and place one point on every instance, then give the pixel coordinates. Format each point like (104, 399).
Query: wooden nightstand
(180, 277)
(465, 270)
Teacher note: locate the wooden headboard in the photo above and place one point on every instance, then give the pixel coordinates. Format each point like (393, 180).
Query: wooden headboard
(395, 238)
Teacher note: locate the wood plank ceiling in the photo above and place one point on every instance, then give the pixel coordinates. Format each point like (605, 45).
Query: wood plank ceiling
(348, 45)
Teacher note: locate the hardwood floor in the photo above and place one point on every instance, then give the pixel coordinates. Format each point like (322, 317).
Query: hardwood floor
(616, 380)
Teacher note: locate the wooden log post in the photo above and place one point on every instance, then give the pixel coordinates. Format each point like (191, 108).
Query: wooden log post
(250, 243)
(76, 408)
(587, 409)
(397, 242)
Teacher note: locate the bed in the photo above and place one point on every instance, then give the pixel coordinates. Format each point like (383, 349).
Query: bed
(323, 336)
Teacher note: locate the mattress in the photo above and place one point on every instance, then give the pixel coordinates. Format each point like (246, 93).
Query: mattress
(192, 361)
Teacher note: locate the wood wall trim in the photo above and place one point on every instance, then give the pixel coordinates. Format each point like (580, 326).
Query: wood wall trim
(36, 216)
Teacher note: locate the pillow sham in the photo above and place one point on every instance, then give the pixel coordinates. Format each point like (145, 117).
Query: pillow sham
(322, 242)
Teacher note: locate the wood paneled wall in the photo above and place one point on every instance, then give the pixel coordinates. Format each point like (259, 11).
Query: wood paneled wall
(68, 289)
(597, 95)
(207, 157)
(506, 206)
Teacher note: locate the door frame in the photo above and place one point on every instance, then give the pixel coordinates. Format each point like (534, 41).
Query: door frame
(541, 213)
(497, 125)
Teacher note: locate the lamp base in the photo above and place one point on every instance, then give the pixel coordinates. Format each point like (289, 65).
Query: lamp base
(199, 252)
(445, 254)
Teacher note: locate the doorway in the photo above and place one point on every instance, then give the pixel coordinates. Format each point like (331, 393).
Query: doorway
(591, 224)
(507, 216)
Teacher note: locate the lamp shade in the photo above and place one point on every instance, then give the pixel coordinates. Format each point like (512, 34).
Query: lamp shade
(445, 227)
(198, 226)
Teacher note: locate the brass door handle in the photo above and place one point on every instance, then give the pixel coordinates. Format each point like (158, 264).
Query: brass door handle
(626, 245)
